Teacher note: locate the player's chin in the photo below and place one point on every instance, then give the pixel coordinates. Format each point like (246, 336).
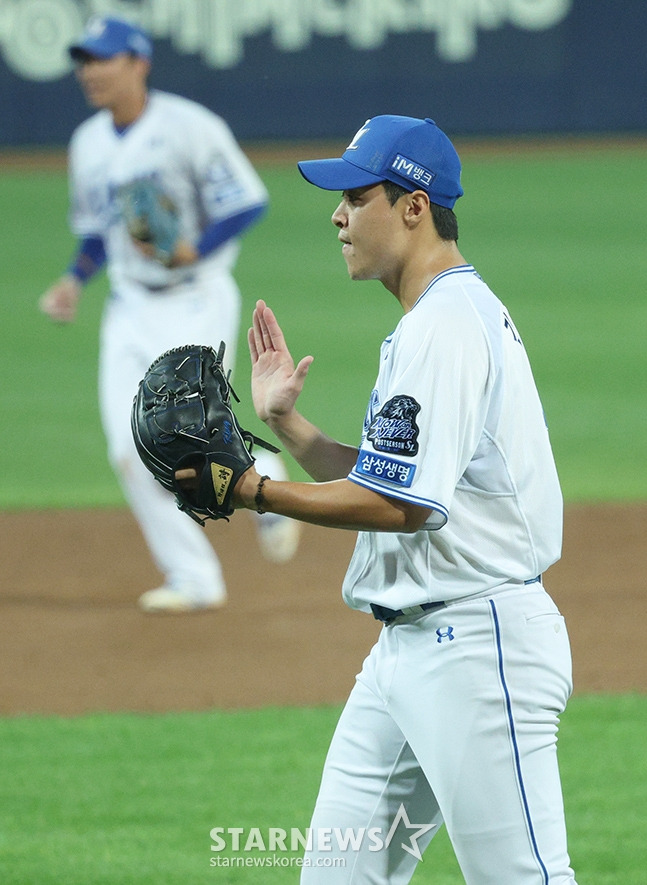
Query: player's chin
(355, 271)
(348, 257)
(359, 273)
(358, 269)
(95, 98)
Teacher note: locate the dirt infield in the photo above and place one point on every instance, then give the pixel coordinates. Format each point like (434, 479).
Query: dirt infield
(73, 641)
(280, 153)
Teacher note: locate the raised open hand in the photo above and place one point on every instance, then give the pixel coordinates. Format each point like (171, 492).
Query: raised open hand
(276, 383)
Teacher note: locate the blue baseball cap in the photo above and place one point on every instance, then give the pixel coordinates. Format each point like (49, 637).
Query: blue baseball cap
(413, 153)
(105, 37)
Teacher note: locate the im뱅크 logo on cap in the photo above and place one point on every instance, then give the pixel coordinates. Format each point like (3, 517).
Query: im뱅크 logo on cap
(412, 171)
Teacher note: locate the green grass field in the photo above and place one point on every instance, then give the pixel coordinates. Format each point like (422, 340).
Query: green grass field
(558, 236)
(131, 799)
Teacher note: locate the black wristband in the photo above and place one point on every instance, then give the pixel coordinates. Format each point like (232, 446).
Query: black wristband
(258, 497)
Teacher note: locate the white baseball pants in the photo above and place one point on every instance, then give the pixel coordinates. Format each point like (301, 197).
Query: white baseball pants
(134, 332)
(452, 720)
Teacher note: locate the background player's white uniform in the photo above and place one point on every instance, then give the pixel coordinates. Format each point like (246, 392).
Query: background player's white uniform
(194, 157)
(485, 673)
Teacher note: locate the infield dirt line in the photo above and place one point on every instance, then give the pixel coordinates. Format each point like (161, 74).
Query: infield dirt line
(279, 153)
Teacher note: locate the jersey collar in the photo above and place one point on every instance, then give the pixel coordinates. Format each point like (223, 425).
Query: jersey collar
(461, 268)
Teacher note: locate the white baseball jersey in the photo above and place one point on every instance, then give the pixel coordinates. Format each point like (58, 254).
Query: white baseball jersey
(457, 705)
(455, 424)
(191, 153)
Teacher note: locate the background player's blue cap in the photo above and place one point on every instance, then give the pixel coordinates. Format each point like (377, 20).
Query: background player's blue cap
(413, 153)
(106, 36)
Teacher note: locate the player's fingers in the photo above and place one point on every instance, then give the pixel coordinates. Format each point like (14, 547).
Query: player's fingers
(259, 338)
(59, 313)
(188, 479)
(48, 303)
(263, 314)
(186, 473)
(304, 367)
(274, 332)
(251, 341)
(300, 373)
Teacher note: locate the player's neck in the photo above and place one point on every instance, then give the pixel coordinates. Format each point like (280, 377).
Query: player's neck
(417, 275)
(129, 108)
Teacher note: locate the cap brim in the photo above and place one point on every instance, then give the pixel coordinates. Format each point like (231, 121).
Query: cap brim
(82, 50)
(336, 174)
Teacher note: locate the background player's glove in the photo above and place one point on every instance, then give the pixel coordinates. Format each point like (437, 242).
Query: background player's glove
(151, 217)
(182, 418)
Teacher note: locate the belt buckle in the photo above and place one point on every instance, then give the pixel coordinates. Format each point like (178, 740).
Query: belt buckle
(384, 614)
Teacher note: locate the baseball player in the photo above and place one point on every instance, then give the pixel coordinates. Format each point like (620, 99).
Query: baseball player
(142, 135)
(454, 493)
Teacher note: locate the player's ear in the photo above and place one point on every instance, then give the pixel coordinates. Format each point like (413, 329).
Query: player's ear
(416, 207)
(142, 65)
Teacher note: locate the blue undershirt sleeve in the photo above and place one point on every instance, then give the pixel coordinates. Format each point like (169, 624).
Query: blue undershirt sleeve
(218, 232)
(90, 258)
(91, 254)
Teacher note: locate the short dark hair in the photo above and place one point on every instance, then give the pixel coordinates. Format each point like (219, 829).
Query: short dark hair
(445, 221)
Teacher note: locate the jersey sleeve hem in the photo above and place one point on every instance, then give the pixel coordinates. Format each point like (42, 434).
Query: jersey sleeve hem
(440, 513)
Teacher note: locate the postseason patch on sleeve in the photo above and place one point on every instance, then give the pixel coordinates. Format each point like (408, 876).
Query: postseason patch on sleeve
(385, 469)
(394, 429)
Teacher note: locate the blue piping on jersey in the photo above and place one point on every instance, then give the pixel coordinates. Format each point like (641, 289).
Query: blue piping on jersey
(462, 268)
(392, 493)
(515, 746)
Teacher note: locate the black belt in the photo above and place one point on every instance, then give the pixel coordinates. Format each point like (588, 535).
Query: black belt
(382, 613)
(157, 288)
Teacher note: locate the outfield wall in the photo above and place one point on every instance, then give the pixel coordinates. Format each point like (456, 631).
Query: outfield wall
(303, 69)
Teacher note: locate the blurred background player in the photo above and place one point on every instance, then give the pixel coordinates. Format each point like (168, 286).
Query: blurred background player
(144, 134)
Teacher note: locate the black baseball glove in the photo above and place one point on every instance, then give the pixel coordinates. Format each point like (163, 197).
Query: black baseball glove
(182, 418)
